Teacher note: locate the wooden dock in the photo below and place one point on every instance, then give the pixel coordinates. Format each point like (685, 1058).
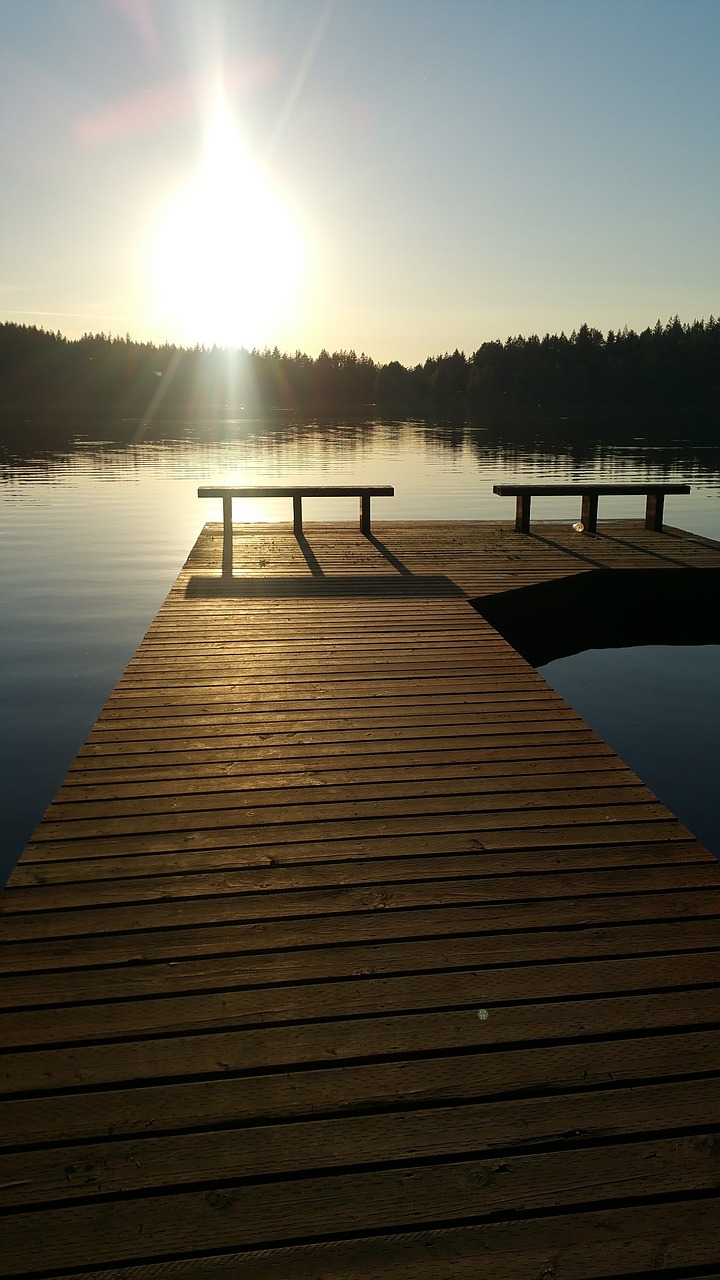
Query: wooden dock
(347, 950)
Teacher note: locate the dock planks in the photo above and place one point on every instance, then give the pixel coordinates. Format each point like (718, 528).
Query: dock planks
(346, 949)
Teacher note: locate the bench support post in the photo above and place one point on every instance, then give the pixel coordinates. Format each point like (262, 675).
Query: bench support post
(297, 515)
(522, 513)
(653, 493)
(588, 513)
(654, 511)
(227, 551)
(365, 514)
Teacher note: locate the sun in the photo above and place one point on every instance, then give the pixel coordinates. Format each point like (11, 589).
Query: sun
(227, 257)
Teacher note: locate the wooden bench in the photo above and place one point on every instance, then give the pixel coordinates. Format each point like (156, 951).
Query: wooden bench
(297, 492)
(524, 493)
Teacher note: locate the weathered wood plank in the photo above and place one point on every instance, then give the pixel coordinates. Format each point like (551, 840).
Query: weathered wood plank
(245, 1215)
(622, 795)
(536, 1073)
(352, 998)
(198, 899)
(282, 870)
(467, 1130)
(223, 935)
(356, 1039)
(394, 957)
(611, 1242)
(513, 829)
(282, 764)
(266, 895)
(337, 786)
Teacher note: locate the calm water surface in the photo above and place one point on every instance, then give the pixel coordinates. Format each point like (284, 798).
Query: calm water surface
(94, 533)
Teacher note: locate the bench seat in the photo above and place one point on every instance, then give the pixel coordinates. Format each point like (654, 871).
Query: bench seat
(297, 492)
(524, 493)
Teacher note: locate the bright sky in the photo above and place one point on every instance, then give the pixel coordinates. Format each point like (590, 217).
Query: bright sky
(401, 177)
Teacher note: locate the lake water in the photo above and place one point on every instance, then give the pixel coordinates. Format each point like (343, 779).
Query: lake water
(95, 531)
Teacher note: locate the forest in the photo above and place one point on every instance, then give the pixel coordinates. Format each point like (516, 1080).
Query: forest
(673, 366)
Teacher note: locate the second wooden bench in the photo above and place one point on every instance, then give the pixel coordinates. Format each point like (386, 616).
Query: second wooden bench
(524, 493)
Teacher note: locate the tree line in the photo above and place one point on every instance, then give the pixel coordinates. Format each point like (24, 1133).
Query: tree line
(671, 366)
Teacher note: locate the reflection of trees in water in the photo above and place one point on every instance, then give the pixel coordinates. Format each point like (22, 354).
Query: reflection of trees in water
(176, 450)
(608, 444)
(668, 368)
(269, 445)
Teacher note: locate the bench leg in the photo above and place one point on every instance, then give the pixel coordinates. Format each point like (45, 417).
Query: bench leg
(297, 515)
(588, 513)
(522, 513)
(227, 551)
(654, 511)
(365, 514)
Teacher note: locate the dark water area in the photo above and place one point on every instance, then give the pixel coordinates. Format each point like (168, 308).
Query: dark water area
(659, 707)
(97, 519)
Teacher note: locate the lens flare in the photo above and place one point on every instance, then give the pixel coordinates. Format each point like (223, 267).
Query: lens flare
(227, 258)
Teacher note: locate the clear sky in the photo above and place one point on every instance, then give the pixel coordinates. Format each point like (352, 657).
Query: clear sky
(401, 177)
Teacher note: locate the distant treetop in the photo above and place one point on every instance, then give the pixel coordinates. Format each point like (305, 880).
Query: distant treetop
(672, 364)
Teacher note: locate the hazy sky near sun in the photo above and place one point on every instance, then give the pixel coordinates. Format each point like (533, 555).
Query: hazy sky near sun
(402, 177)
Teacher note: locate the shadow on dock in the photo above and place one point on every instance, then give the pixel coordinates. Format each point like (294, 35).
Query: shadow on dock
(354, 585)
(592, 548)
(612, 609)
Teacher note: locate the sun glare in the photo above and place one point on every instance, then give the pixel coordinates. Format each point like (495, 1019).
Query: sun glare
(227, 257)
